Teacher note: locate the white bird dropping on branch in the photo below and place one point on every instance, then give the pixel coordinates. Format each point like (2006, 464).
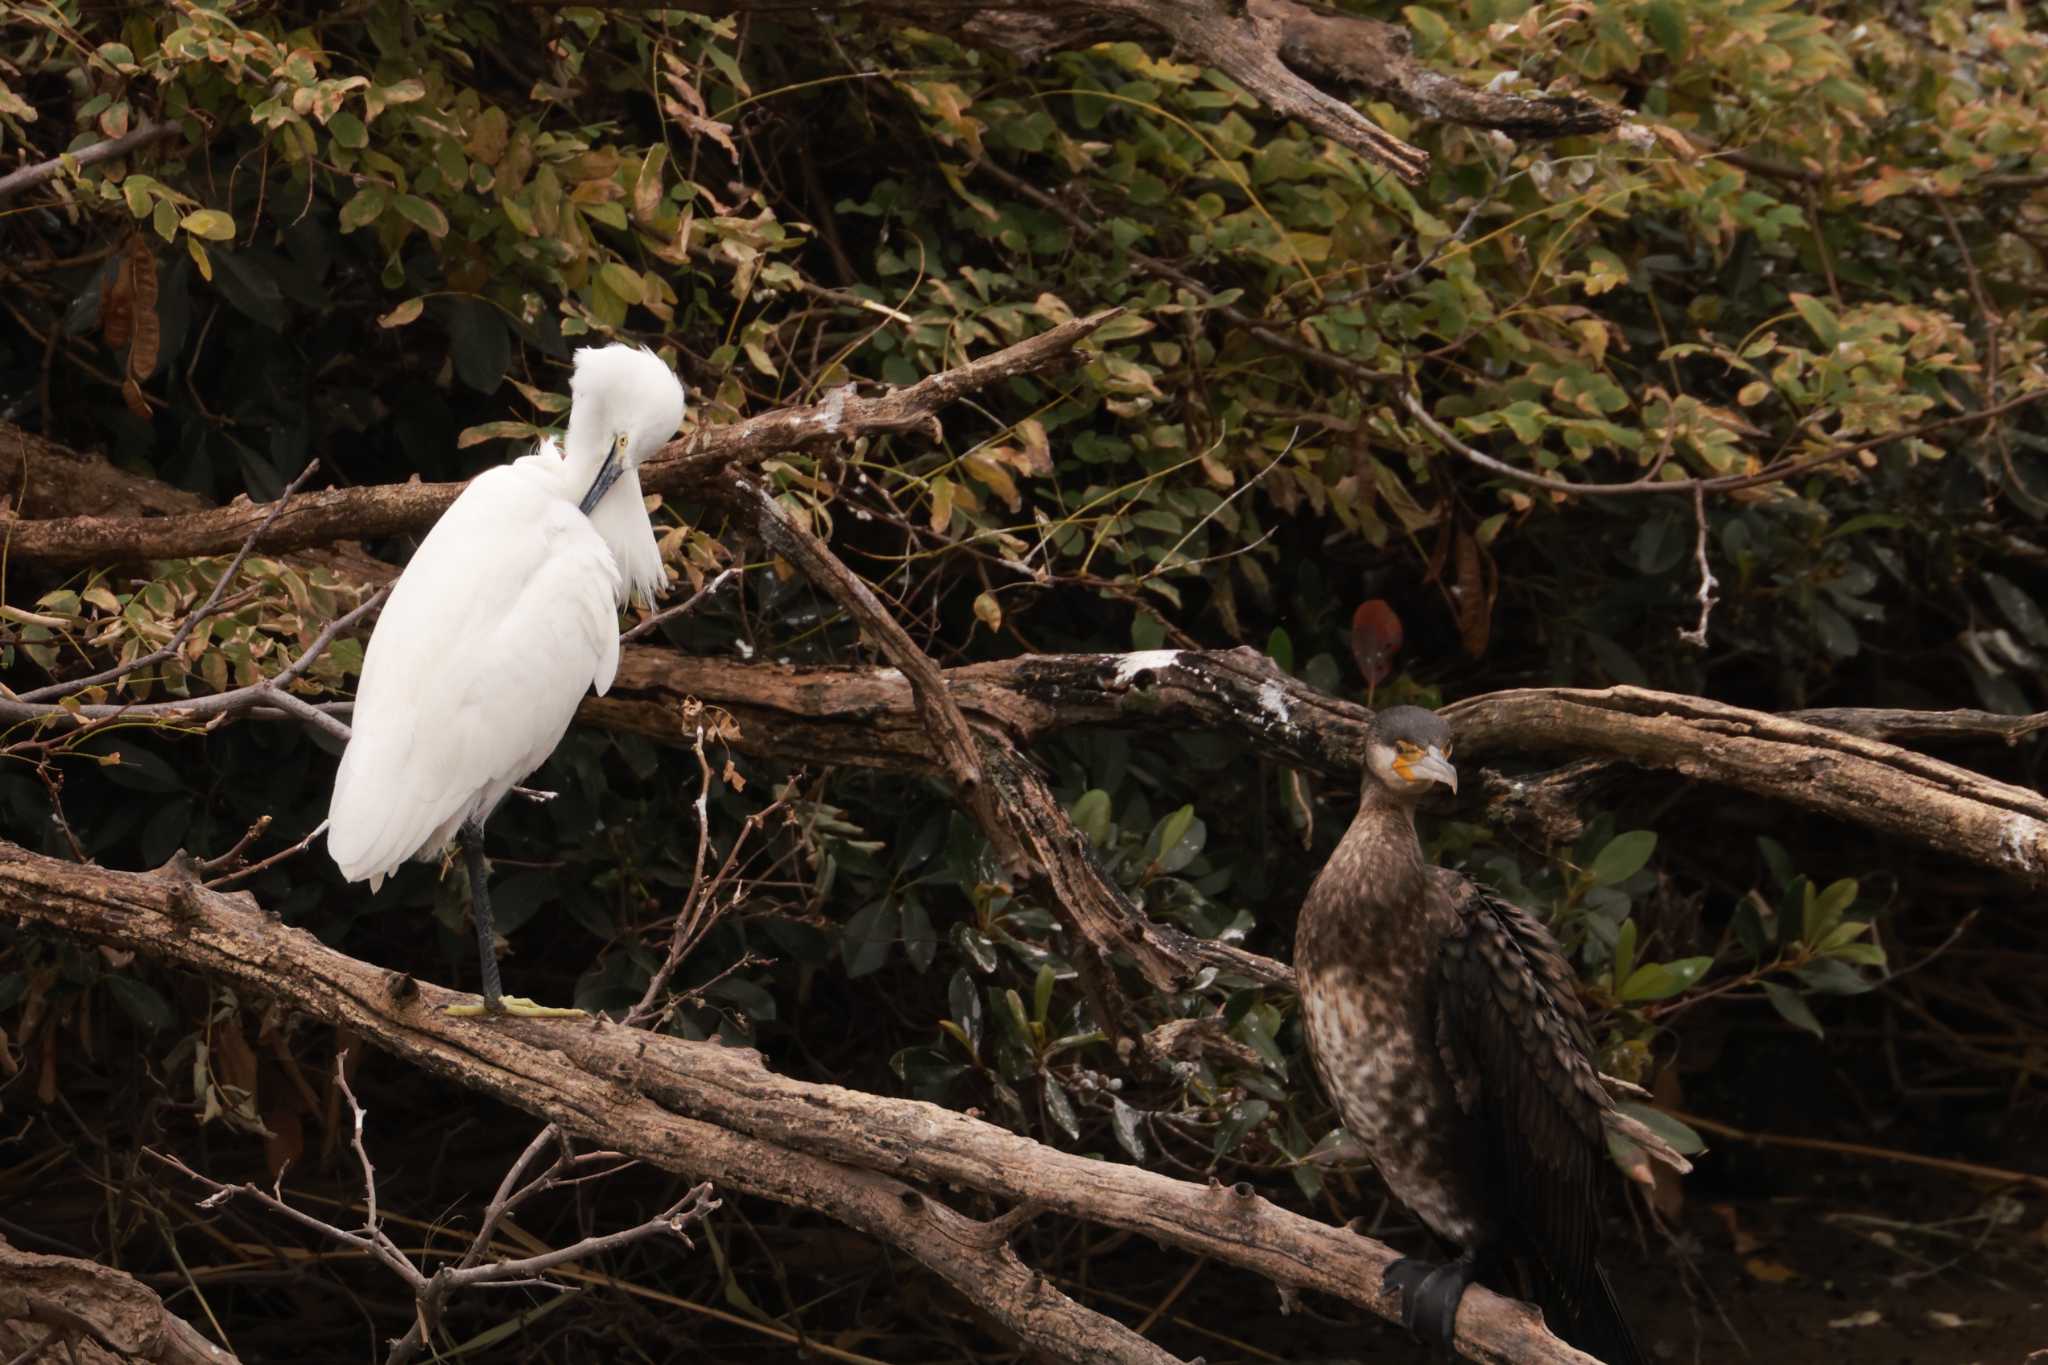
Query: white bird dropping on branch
(506, 616)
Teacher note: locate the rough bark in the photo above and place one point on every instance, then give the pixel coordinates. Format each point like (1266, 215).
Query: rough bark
(106, 1316)
(687, 466)
(863, 716)
(1895, 791)
(716, 1113)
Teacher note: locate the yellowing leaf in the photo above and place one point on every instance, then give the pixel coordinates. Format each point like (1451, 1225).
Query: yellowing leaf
(209, 223)
(988, 611)
(408, 311)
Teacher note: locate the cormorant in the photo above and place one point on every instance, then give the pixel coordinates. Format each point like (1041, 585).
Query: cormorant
(1444, 1026)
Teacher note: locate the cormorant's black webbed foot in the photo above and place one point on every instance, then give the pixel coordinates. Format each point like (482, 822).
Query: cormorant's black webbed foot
(1430, 1294)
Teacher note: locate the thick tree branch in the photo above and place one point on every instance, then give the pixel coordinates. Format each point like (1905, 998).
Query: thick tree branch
(1936, 805)
(62, 1298)
(689, 465)
(716, 1113)
(861, 716)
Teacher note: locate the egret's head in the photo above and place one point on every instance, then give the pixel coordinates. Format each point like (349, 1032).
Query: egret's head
(627, 401)
(1410, 752)
(635, 401)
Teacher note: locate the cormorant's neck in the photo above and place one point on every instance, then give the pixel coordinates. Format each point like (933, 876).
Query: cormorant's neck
(1386, 847)
(1370, 890)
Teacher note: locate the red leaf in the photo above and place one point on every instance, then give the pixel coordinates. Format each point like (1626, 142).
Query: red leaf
(1375, 640)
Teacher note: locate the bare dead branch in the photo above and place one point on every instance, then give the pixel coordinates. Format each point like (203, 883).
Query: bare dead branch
(63, 1298)
(432, 1292)
(690, 465)
(943, 723)
(1935, 805)
(28, 177)
(715, 1113)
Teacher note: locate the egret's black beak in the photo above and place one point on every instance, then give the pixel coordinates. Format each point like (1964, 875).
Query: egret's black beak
(607, 474)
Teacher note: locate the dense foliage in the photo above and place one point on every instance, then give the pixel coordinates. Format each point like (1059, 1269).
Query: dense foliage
(376, 231)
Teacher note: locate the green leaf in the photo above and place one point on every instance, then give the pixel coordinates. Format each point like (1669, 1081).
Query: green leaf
(1091, 815)
(422, 212)
(1683, 1139)
(1280, 649)
(965, 1003)
(1061, 1109)
(621, 280)
(1124, 1120)
(1792, 1006)
(1623, 857)
(1662, 980)
(364, 207)
(1041, 994)
(1826, 328)
(211, 224)
(1823, 909)
(920, 939)
(2020, 609)
(864, 945)
(348, 130)
(141, 1003)
(1665, 22)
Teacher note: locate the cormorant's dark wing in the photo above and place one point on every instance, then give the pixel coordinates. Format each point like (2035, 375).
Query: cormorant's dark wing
(1513, 1036)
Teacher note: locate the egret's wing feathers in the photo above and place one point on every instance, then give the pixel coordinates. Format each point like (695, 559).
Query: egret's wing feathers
(497, 628)
(1512, 1032)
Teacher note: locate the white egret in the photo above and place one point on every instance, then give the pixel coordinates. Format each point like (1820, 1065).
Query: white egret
(506, 615)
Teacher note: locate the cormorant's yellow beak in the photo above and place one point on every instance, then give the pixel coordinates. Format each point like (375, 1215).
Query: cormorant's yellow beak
(1431, 767)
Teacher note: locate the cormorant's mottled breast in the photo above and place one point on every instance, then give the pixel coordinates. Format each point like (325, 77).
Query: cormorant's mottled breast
(1444, 1026)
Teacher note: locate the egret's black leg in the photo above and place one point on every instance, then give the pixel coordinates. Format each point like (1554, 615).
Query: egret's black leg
(480, 910)
(1430, 1294)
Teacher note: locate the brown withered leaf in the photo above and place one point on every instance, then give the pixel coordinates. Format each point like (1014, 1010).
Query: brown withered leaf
(117, 303)
(148, 329)
(1478, 582)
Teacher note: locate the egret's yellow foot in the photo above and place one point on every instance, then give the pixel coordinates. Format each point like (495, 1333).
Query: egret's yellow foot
(516, 1005)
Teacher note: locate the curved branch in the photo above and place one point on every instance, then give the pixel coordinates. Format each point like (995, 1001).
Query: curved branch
(66, 1298)
(1936, 805)
(716, 1113)
(689, 465)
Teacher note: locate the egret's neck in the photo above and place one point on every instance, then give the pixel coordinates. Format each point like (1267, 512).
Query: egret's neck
(583, 450)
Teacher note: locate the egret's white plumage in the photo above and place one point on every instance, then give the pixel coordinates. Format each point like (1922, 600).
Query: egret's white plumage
(505, 617)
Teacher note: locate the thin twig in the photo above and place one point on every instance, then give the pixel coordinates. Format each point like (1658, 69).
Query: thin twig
(681, 609)
(1939, 1163)
(249, 836)
(1697, 636)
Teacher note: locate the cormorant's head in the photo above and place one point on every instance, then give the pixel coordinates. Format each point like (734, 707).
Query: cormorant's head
(1410, 752)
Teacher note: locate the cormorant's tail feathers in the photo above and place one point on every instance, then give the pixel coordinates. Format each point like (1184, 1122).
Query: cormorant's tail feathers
(1596, 1326)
